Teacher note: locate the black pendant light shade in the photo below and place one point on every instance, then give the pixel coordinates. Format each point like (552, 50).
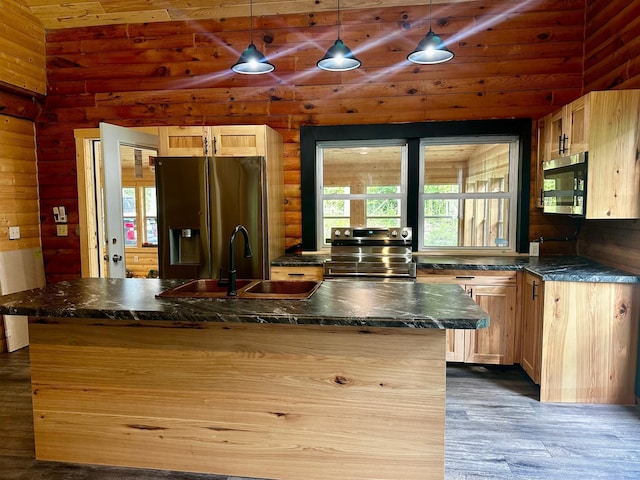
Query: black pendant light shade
(252, 62)
(339, 58)
(431, 48)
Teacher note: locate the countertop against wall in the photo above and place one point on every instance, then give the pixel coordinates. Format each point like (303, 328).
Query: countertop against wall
(564, 268)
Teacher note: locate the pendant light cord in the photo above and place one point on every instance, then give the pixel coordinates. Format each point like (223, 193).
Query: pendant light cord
(338, 19)
(430, 2)
(251, 21)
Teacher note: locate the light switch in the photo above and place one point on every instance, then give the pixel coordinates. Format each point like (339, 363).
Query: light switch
(14, 233)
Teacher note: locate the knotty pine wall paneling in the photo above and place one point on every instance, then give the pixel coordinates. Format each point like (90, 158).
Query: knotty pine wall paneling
(612, 61)
(22, 38)
(18, 188)
(512, 61)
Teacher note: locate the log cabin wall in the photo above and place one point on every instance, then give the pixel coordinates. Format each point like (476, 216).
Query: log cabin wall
(22, 63)
(22, 83)
(512, 61)
(612, 61)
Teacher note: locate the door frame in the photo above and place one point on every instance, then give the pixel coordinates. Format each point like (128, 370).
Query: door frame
(89, 203)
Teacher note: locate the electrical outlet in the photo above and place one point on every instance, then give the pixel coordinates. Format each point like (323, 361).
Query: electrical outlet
(14, 233)
(534, 249)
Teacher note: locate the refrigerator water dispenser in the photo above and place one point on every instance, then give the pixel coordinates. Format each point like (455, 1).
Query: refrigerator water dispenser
(184, 246)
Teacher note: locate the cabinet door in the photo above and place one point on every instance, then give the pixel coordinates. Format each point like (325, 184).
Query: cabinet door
(454, 350)
(239, 141)
(495, 292)
(569, 129)
(558, 135)
(496, 344)
(532, 311)
(613, 190)
(544, 154)
(577, 125)
(296, 273)
(184, 141)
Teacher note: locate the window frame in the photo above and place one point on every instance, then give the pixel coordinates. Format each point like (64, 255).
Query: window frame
(413, 133)
(511, 195)
(321, 196)
(141, 215)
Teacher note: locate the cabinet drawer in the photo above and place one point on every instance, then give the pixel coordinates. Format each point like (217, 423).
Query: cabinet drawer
(467, 277)
(296, 273)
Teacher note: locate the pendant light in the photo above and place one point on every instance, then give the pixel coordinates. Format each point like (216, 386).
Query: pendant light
(431, 48)
(339, 57)
(252, 61)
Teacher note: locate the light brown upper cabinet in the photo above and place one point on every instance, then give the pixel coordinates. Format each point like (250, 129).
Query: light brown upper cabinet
(239, 140)
(607, 126)
(181, 141)
(569, 127)
(219, 141)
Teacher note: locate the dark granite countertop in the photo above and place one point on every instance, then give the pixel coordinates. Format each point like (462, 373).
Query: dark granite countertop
(374, 304)
(564, 268)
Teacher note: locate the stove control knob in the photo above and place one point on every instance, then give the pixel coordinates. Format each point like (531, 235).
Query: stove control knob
(347, 233)
(394, 233)
(336, 233)
(405, 233)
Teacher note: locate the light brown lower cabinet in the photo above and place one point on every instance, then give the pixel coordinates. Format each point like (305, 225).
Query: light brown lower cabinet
(580, 339)
(531, 332)
(296, 273)
(496, 293)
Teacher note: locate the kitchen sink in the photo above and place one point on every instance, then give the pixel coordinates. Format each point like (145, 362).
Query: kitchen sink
(281, 289)
(203, 287)
(263, 289)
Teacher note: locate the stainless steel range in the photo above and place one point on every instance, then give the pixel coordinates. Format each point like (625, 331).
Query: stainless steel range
(370, 254)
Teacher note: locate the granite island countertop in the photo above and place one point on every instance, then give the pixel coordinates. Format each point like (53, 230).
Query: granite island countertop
(374, 304)
(563, 268)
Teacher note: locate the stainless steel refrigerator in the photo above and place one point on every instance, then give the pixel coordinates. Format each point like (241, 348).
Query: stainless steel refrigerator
(200, 201)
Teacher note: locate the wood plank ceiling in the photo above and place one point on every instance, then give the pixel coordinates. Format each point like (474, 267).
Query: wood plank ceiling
(57, 14)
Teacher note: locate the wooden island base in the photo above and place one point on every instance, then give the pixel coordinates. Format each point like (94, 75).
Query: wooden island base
(255, 400)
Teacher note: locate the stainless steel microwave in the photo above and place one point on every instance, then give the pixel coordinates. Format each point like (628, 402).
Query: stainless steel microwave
(564, 189)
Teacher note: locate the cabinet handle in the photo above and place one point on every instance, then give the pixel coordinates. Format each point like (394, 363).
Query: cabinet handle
(215, 145)
(533, 290)
(206, 146)
(563, 140)
(542, 197)
(559, 144)
(470, 291)
(465, 277)
(296, 274)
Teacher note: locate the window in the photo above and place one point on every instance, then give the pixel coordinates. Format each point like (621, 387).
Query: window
(468, 185)
(463, 186)
(362, 184)
(150, 216)
(139, 202)
(129, 217)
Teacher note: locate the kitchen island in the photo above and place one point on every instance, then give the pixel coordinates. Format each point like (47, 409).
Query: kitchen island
(349, 383)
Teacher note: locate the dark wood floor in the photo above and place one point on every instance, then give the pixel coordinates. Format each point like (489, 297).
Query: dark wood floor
(496, 428)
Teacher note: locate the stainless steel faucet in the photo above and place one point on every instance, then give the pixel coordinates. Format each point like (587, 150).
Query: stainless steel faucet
(231, 289)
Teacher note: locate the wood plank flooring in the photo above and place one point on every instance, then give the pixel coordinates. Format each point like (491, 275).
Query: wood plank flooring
(496, 428)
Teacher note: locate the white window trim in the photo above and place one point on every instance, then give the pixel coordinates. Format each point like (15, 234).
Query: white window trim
(511, 195)
(320, 195)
